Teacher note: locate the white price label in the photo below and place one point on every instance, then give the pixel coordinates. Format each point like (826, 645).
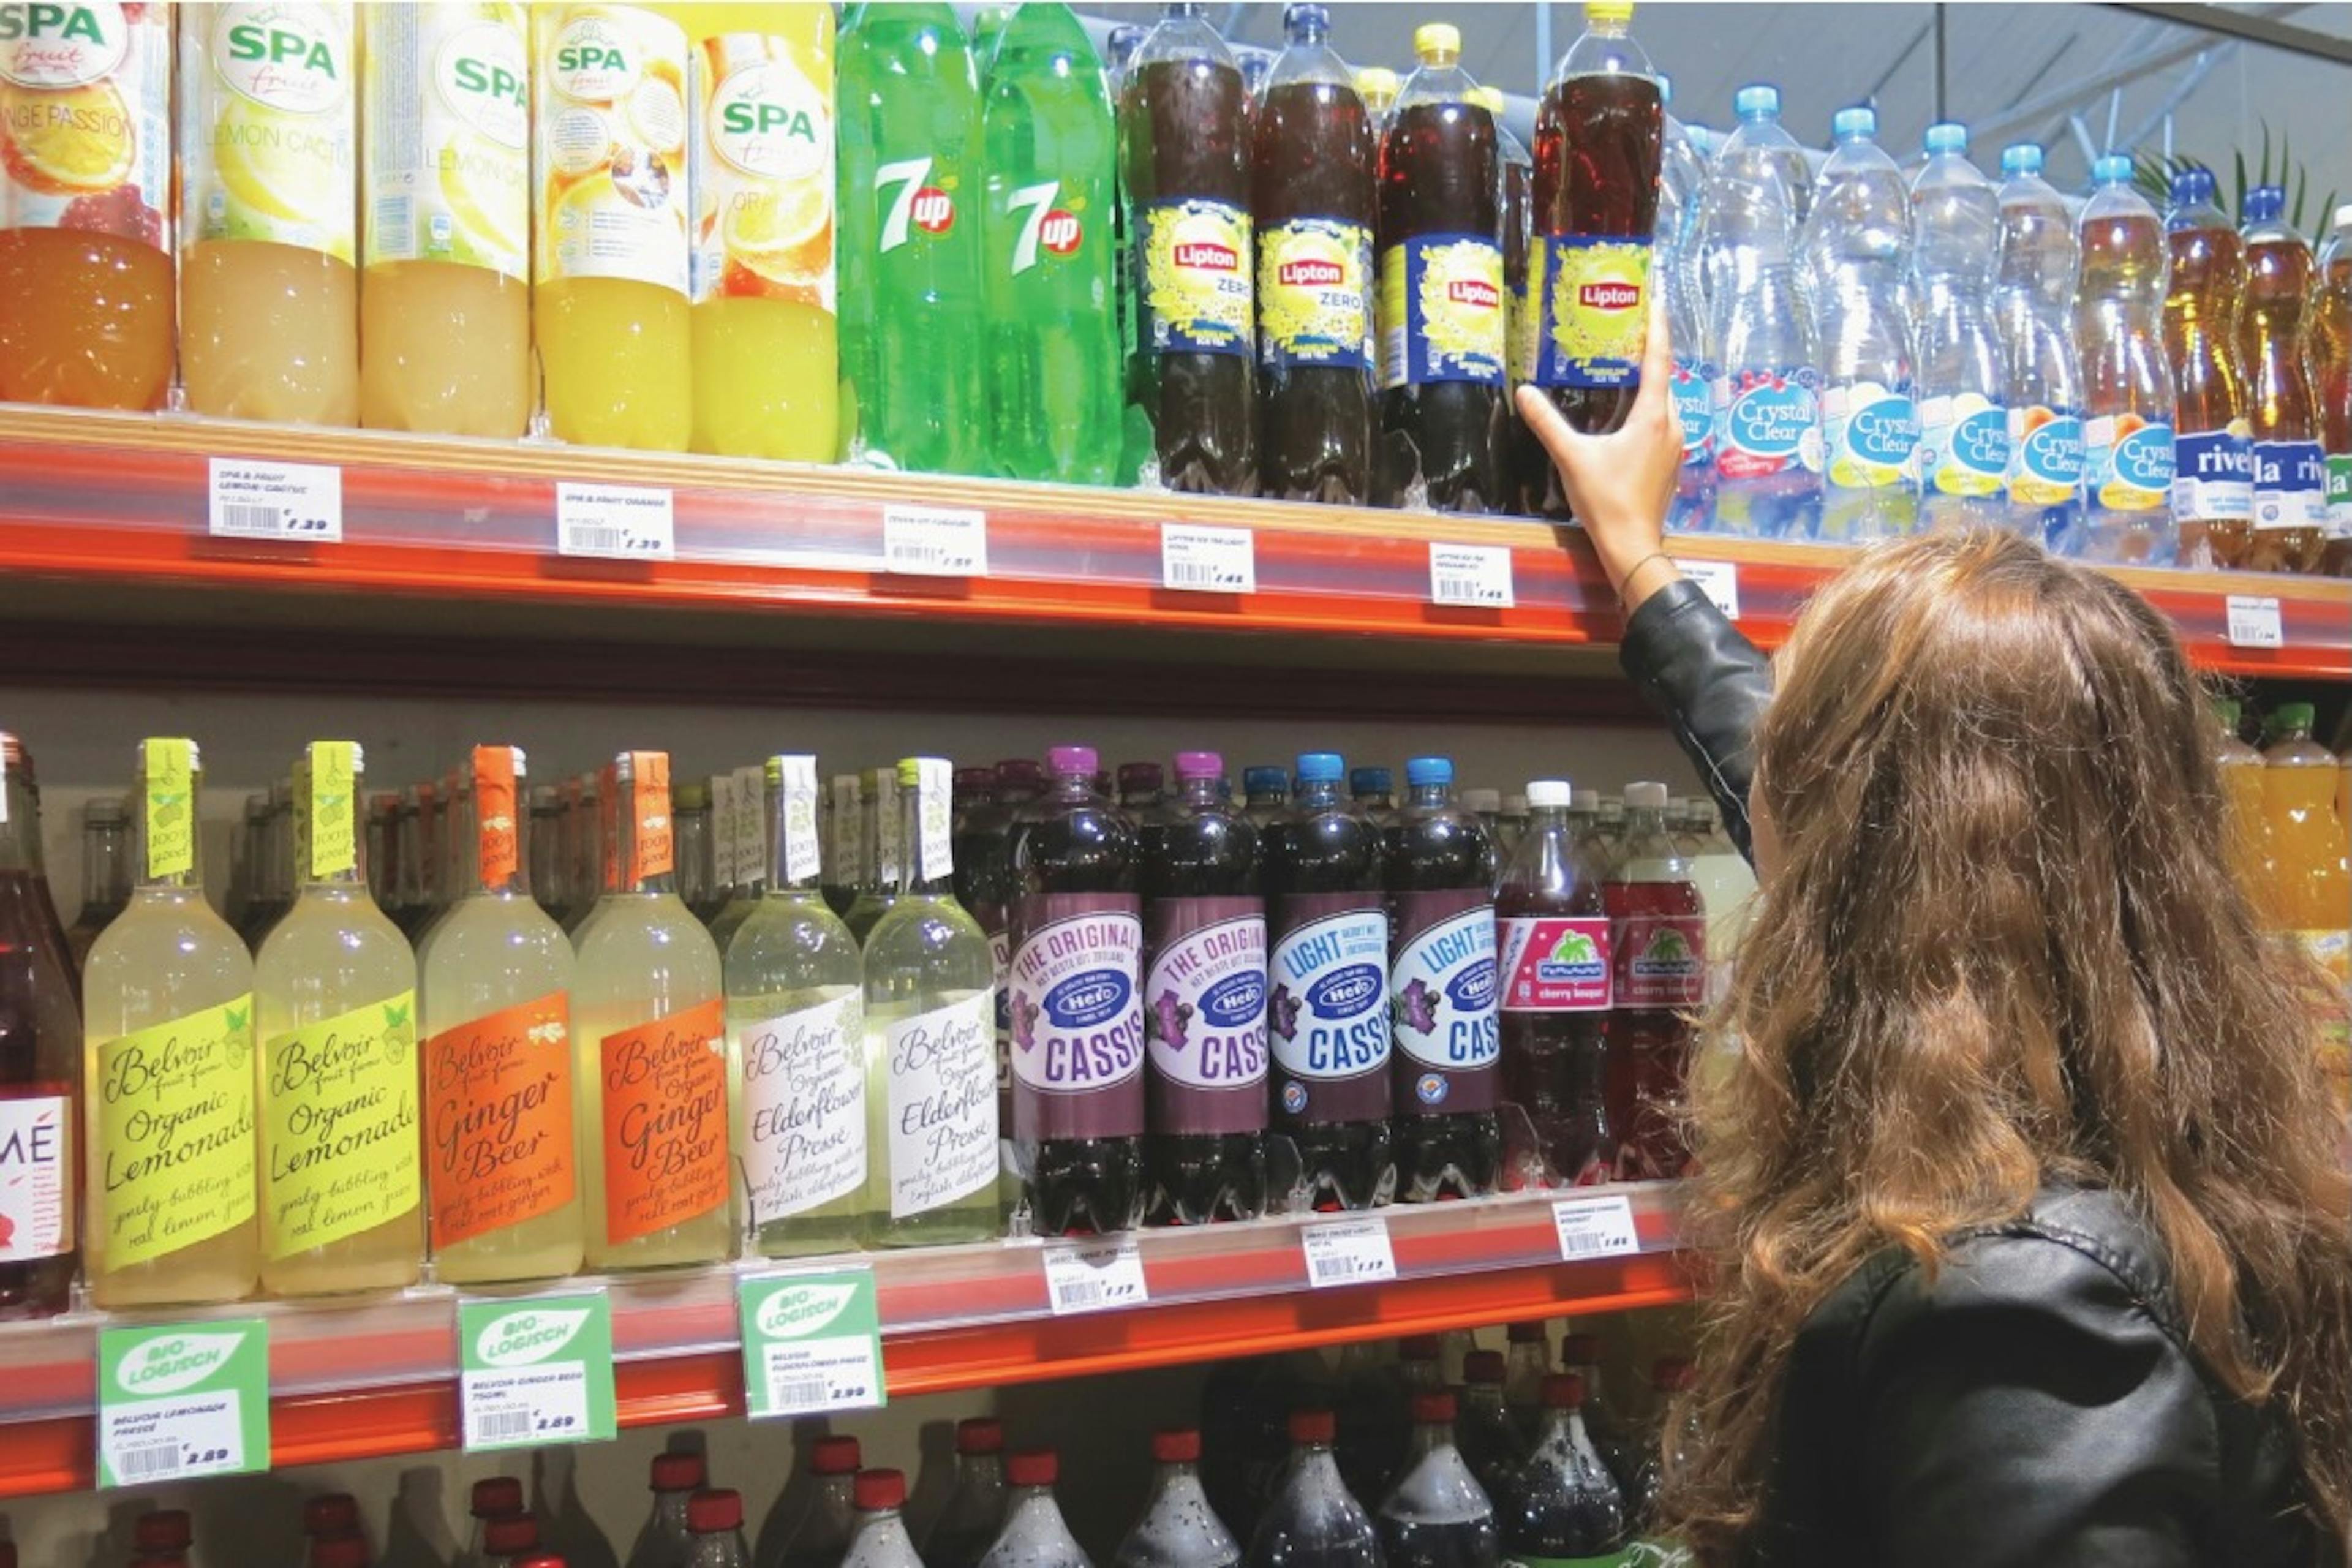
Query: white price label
(1348, 1252)
(2254, 622)
(523, 1405)
(302, 501)
(805, 1376)
(1476, 576)
(1095, 1276)
(935, 542)
(1595, 1228)
(1719, 580)
(614, 522)
(1208, 560)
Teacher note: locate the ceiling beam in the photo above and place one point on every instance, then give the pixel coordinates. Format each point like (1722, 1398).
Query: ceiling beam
(2253, 27)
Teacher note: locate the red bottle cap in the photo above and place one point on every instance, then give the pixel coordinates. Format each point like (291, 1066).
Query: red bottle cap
(1563, 1391)
(709, 1512)
(1526, 1334)
(543, 1560)
(1313, 1425)
(980, 1434)
(876, 1489)
(344, 1551)
(1418, 1347)
(510, 1535)
(336, 1513)
(1020, 773)
(1580, 1350)
(836, 1457)
(678, 1472)
(1432, 1408)
(165, 1530)
(1673, 1373)
(1181, 1447)
(1483, 1366)
(1034, 1467)
(496, 1497)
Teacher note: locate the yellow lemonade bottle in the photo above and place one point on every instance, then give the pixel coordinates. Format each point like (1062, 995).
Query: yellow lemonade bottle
(268, 296)
(444, 286)
(86, 292)
(2298, 779)
(609, 265)
(767, 364)
(2250, 824)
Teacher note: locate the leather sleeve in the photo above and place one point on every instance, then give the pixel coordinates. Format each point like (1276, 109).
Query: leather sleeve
(1711, 685)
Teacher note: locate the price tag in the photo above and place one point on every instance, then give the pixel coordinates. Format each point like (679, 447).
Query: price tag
(1478, 575)
(2254, 622)
(1095, 1276)
(1348, 1252)
(1719, 580)
(253, 500)
(1208, 560)
(935, 541)
(1595, 1228)
(182, 1400)
(536, 1370)
(614, 522)
(811, 1343)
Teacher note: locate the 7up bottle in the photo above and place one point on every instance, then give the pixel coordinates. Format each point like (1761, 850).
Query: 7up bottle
(1658, 941)
(909, 257)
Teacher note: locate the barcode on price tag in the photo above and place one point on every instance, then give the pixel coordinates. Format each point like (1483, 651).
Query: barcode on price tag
(1478, 575)
(1595, 1228)
(935, 542)
(614, 522)
(1348, 1252)
(1207, 560)
(2254, 622)
(811, 1343)
(1719, 580)
(1095, 1276)
(535, 1371)
(302, 501)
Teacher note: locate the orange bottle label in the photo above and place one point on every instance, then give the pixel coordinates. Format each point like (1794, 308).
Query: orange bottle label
(646, 794)
(665, 1122)
(494, 813)
(498, 1119)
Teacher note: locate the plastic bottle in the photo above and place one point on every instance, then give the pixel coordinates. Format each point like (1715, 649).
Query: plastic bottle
(1178, 1528)
(269, 298)
(1554, 933)
(1374, 792)
(881, 1540)
(912, 356)
(1328, 1007)
(1604, 1423)
(1756, 144)
(1962, 389)
(1265, 794)
(86, 283)
(1075, 980)
(715, 1518)
(2290, 470)
(1669, 1441)
(974, 1513)
(1314, 1520)
(1855, 247)
(1657, 939)
(2212, 444)
(1563, 1505)
(2298, 777)
(1034, 1533)
(1437, 1516)
(1142, 789)
(2330, 336)
(2127, 395)
(1184, 150)
(822, 1531)
(1204, 1002)
(2251, 852)
(1442, 326)
(492, 1498)
(1048, 260)
(1489, 1437)
(1445, 1048)
(330, 1514)
(1526, 1363)
(1312, 204)
(158, 1533)
(510, 1541)
(1376, 86)
(1682, 181)
(2033, 298)
(667, 1541)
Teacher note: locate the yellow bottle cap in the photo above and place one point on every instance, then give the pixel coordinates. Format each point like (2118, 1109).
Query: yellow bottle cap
(1489, 99)
(1376, 83)
(1437, 42)
(1619, 11)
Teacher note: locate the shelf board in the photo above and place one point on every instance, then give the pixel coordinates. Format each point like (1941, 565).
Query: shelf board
(120, 501)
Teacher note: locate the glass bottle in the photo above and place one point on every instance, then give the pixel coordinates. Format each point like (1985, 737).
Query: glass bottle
(974, 1513)
(583, 855)
(652, 1030)
(665, 1541)
(243, 848)
(690, 821)
(40, 1035)
(796, 1038)
(880, 839)
(273, 869)
(382, 823)
(844, 843)
(167, 1002)
(412, 903)
(549, 883)
(335, 1004)
(105, 875)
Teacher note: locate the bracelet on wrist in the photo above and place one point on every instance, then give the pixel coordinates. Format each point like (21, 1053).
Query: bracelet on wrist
(1635, 570)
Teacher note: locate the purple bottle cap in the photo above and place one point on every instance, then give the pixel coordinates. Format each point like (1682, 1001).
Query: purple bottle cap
(1199, 766)
(1064, 761)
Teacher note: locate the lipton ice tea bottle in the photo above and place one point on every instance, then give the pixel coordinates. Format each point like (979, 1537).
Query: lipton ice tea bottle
(609, 273)
(766, 350)
(268, 205)
(84, 165)
(444, 313)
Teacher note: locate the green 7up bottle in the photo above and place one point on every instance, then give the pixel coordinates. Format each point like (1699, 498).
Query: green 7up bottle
(910, 260)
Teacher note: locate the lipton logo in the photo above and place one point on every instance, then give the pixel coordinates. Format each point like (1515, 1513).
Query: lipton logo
(1608, 295)
(174, 1363)
(526, 1337)
(1475, 293)
(799, 1309)
(1312, 273)
(1208, 255)
(932, 211)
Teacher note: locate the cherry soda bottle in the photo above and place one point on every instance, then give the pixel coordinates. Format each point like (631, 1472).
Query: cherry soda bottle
(1203, 1003)
(2290, 472)
(1312, 195)
(1657, 939)
(1445, 1049)
(1553, 930)
(1329, 1008)
(1183, 127)
(1076, 1011)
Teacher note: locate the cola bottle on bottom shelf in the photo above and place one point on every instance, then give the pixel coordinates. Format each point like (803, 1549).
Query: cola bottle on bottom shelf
(1437, 1515)
(817, 1538)
(1657, 939)
(965, 1529)
(881, 1540)
(1552, 927)
(1669, 1441)
(1563, 1505)
(665, 1541)
(1314, 1520)
(1034, 1533)
(1604, 1423)
(1492, 1442)
(1178, 1528)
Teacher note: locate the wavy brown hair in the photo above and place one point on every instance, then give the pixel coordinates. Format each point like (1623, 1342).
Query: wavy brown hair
(2003, 945)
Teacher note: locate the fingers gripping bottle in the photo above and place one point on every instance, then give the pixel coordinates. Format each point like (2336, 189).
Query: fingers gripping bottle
(2033, 297)
(2290, 470)
(2212, 444)
(2127, 391)
(1556, 991)
(1658, 939)
(1963, 394)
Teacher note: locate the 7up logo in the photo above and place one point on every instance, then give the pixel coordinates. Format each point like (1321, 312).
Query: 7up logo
(1057, 231)
(918, 204)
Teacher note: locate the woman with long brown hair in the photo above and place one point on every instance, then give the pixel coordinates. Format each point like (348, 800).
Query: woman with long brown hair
(2030, 1237)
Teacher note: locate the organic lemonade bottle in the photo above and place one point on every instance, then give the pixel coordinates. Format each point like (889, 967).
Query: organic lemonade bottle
(85, 166)
(445, 314)
(609, 289)
(335, 1004)
(767, 372)
(269, 307)
(167, 1014)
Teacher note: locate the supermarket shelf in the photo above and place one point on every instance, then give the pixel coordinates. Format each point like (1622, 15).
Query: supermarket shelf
(354, 1379)
(119, 501)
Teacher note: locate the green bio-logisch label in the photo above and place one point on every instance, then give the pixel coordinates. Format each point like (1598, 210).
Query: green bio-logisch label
(448, 135)
(267, 104)
(340, 1129)
(179, 1401)
(1196, 293)
(175, 1133)
(535, 1372)
(1314, 293)
(811, 1343)
(1595, 290)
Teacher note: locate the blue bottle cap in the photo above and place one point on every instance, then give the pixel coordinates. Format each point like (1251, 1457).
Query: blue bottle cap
(1263, 781)
(1421, 770)
(1947, 136)
(1666, 89)
(2021, 158)
(1321, 767)
(1306, 18)
(1758, 101)
(1855, 124)
(1370, 781)
(2115, 169)
(2265, 202)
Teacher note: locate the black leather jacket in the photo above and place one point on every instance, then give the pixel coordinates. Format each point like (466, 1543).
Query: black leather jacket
(2035, 1403)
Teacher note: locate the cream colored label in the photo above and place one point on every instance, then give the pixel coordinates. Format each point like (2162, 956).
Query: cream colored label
(763, 171)
(268, 123)
(86, 119)
(340, 1126)
(175, 1133)
(448, 135)
(611, 144)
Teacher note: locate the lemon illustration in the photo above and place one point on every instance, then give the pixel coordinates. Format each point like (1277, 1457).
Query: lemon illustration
(262, 176)
(766, 231)
(68, 142)
(484, 185)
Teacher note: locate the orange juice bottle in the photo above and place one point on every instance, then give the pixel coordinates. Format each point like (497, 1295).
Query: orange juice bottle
(2298, 778)
(609, 274)
(268, 295)
(445, 281)
(766, 355)
(85, 166)
(2242, 774)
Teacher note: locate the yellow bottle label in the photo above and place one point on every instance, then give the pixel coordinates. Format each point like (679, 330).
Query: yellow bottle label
(269, 123)
(326, 823)
(1314, 293)
(85, 119)
(340, 1126)
(610, 136)
(763, 168)
(448, 135)
(168, 806)
(1195, 259)
(175, 1133)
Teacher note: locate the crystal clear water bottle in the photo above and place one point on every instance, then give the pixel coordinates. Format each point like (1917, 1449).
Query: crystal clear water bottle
(2126, 381)
(1757, 141)
(1682, 180)
(2033, 297)
(1178, 1528)
(1963, 392)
